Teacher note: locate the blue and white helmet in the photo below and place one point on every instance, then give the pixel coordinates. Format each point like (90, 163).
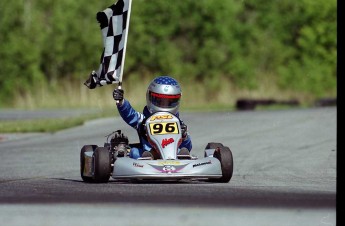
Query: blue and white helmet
(163, 94)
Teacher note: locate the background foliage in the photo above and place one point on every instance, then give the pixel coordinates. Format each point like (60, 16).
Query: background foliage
(293, 43)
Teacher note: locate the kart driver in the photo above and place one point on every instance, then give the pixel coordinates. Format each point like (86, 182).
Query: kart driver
(163, 94)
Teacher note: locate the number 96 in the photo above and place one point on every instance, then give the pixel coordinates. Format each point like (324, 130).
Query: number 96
(163, 128)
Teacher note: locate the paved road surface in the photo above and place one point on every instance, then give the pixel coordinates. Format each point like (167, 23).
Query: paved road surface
(284, 174)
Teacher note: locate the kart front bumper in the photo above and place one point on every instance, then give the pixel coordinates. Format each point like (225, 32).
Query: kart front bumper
(205, 168)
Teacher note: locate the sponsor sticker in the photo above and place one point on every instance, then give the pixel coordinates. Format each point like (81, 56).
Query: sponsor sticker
(167, 141)
(160, 117)
(135, 164)
(202, 163)
(168, 162)
(168, 168)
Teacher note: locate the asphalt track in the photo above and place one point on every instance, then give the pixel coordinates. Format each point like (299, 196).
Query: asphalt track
(284, 174)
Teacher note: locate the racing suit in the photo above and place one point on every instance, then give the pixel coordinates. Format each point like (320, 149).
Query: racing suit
(135, 119)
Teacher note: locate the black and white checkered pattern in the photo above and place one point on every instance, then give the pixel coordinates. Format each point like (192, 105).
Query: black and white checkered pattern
(114, 23)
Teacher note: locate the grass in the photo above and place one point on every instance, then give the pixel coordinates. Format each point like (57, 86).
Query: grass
(49, 125)
(195, 97)
(39, 125)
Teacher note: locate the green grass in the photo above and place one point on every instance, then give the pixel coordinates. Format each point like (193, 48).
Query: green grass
(49, 125)
(195, 97)
(57, 124)
(39, 125)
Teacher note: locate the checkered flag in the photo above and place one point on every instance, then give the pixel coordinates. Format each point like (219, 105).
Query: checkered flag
(114, 23)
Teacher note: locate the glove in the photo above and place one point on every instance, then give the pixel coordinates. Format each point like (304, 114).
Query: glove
(184, 130)
(118, 95)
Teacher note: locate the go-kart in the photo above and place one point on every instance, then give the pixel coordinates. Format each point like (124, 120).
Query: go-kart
(163, 132)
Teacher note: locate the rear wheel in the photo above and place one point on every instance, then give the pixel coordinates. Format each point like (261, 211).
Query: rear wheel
(224, 155)
(85, 148)
(102, 165)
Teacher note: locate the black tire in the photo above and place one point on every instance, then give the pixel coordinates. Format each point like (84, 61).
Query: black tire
(213, 145)
(224, 155)
(85, 148)
(102, 165)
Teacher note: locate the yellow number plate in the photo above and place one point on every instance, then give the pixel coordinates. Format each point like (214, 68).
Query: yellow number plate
(163, 128)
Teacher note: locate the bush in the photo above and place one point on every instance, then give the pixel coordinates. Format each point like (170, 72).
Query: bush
(46, 41)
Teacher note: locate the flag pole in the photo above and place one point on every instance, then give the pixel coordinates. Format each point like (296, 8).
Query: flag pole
(125, 43)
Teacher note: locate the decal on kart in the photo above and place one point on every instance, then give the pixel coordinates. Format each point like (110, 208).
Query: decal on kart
(166, 142)
(135, 164)
(169, 168)
(160, 117)
(202, 163)
(168, 162)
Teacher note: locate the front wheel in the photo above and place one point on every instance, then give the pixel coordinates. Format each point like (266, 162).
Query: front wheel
(224, 155)
(212, 145)
(102, 164)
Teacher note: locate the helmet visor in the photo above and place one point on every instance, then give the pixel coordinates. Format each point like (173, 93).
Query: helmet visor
(163, 100)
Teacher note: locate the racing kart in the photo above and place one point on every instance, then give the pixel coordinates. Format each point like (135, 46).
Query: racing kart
(163, 132)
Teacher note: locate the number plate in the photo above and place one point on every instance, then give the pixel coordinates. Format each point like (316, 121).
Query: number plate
(163, 128)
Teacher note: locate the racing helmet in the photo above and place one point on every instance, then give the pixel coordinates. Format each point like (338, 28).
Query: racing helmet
(163, 94)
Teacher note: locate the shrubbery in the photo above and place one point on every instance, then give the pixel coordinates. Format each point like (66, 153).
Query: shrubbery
(45, 41)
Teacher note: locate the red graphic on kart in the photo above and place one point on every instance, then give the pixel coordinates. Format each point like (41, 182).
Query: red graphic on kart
(166, 142)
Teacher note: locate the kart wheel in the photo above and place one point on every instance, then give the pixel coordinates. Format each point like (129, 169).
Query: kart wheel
(102, 165)
(85, 148)
(212, 145)
(224, 155)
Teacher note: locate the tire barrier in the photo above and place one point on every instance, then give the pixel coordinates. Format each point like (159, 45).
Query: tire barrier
(326, 102)
(251, 104)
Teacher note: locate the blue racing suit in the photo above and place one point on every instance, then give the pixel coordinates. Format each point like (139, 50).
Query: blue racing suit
(135, 119)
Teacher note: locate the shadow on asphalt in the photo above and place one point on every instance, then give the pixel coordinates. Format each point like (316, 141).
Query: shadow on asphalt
(186, 193)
